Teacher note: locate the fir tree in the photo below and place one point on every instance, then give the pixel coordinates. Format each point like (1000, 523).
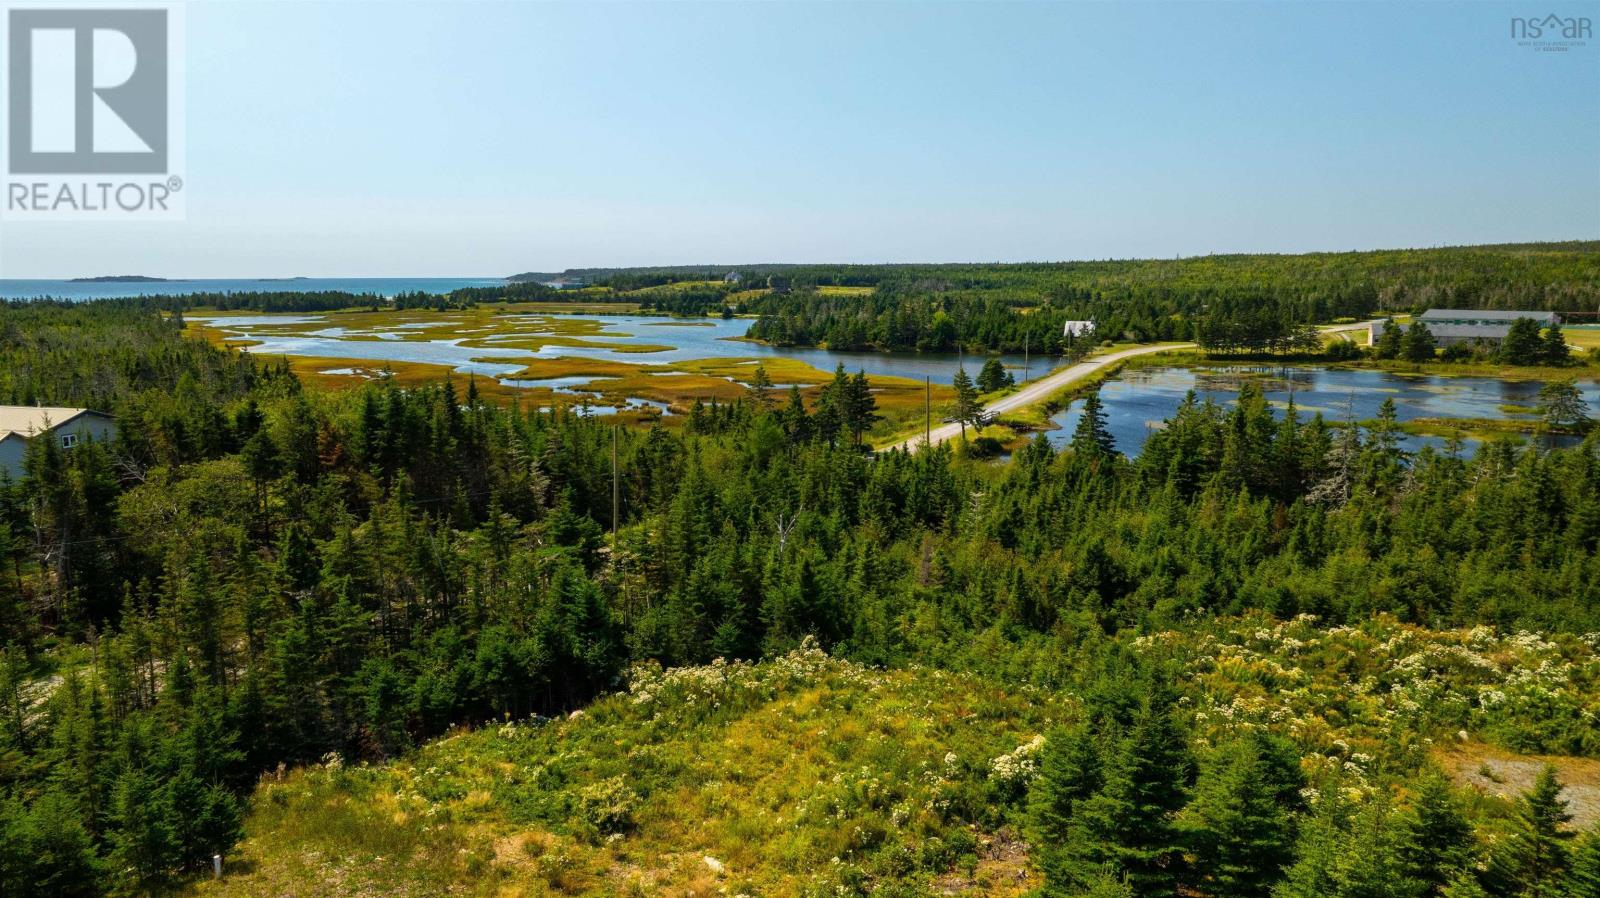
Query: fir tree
(860, 406)
(1418, 344)
(1562, 406)
(1125, 825)
(1320, 851)
(1390, 342)
(993, 377)
(1534, 859)
(1092, 437)
(1583, 877)
(1241, 835)
(761, 389)
(1069, 772)
(1522, 344)
(1556, 351)
(968, 410)
(796, 421)
(1436, 839)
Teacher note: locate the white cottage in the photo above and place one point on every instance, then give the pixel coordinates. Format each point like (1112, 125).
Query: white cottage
(21, 423)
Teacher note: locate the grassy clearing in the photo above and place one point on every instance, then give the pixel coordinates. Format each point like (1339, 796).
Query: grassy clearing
(1583, 336)
(797, 776)
(674, 287)
(808, 775)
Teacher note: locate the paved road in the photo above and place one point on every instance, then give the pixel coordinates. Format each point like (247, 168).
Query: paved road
(1041, 389)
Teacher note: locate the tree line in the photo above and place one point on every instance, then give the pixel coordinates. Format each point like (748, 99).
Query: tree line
(254, 574)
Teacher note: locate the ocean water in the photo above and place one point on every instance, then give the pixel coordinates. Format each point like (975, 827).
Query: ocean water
(11, 288)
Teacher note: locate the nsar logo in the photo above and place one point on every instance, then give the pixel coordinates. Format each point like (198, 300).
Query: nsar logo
(1552, 33)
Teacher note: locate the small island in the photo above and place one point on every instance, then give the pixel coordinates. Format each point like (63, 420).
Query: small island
(119, 279)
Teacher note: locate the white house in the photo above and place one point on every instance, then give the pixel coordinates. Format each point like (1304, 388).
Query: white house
(566, 283)
(21, 423)
(1077, 329)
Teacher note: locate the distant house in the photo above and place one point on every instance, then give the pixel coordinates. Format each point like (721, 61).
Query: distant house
(20, 424)
(1470, 326)
(1077, 329)
(732, 277)
(566, 284)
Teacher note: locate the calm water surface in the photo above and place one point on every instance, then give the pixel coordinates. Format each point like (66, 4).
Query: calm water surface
(689, 339)
(1137, 401)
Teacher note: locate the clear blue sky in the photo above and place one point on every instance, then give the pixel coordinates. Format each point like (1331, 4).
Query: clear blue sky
(399, 139)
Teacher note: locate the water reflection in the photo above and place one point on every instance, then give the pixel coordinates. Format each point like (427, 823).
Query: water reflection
(1138, 401)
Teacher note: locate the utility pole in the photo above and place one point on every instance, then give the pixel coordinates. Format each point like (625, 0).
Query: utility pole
(1025, 368)
(927, 410)
(616, 484)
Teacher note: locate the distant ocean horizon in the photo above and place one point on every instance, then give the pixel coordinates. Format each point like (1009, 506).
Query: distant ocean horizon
(16, 288)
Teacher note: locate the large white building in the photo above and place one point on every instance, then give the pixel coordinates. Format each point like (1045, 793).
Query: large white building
(21, 423)
(1470, 326)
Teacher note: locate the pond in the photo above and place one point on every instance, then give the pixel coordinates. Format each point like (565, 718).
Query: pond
(1137, 401)
(682, 340)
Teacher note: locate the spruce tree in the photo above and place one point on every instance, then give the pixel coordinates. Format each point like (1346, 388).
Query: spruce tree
(1240, 835)
(1320, 850)
(860, 406)
(1436, 838)
(1556, 351)
(761, 389)
(1418, 344)
(1562, 406)
(796, 421)
(1069, 772)
(967, 408)
(1583, 877)
(1522, 344)
(833, 407)
(1533, 861)
(1092, 437)
(993, 377)
(14, 620)
(1390, 341)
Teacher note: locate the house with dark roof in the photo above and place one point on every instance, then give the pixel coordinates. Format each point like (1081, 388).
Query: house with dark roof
(21, 424)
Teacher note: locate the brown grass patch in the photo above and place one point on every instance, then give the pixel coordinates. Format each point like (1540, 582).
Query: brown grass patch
(1505, 774)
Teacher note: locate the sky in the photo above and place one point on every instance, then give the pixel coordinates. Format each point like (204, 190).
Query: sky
(391, 139)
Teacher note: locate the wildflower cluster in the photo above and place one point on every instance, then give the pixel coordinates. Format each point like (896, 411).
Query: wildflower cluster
(1387, 687)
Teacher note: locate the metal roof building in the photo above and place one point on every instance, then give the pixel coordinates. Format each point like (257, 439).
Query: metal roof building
(1450, 326)
(21, 423)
